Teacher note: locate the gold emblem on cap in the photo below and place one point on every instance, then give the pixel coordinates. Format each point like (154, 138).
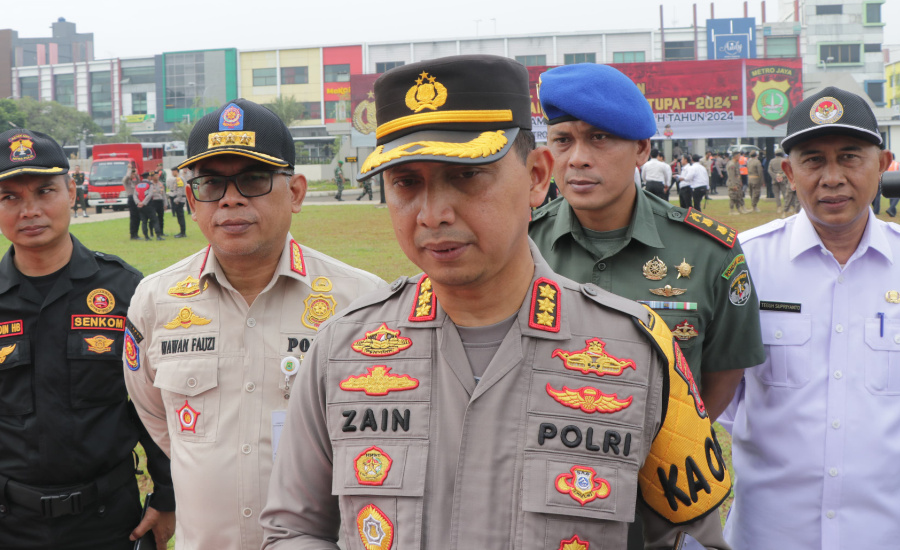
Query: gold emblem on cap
(892, 297)
(826, 110)
(427, 93)
(221, 139)
(668, 291)
(655, 269)
(321, 284)
(684, 269)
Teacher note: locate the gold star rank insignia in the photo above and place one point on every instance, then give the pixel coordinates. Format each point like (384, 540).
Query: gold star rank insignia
(655, 269)
(544, 305)
(424, 308)
(186, 318)
(684, 269)
(99, 343)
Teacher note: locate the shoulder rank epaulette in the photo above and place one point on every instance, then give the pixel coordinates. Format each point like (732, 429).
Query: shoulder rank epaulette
(425, 306)
(545, 305)
(712, 227)
(297, 264)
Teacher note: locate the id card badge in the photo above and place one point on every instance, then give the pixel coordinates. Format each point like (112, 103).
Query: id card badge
(278, 418)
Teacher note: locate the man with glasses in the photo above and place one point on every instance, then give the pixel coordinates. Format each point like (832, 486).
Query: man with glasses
(217, 338)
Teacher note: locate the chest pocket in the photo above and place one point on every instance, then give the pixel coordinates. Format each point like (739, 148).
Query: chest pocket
(381, 483)
(16, 377)
(191, 396)
(95, 368)
(882, 357)
(786, 337)
(562, 498)
(685, 326)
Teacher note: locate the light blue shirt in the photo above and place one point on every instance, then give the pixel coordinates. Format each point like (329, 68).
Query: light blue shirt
(816, 427)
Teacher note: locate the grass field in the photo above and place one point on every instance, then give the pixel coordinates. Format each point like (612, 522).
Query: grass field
(358, 235)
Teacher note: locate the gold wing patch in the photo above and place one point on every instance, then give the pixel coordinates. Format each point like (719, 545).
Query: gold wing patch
(589, 400)
(5, 351)
(186, 318)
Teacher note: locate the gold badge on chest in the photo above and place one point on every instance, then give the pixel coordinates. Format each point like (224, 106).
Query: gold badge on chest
(319, 307)
(655, 269)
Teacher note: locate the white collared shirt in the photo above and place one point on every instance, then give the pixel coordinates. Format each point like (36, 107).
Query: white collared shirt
(695, 175)
(654, 170)
(816, 427)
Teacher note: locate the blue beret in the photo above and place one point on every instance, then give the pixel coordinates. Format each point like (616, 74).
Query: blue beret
(599, 95)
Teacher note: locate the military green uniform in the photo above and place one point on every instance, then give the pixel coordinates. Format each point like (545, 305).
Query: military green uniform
(339, 180)
(715, 318)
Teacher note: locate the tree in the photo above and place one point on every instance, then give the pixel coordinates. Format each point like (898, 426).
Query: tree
(64, 124)
(287, 109)
(10, 113)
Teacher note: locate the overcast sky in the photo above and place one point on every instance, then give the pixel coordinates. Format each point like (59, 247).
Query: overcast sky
(141, 28)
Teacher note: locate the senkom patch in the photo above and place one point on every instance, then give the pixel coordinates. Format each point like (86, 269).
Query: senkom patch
(684, 477)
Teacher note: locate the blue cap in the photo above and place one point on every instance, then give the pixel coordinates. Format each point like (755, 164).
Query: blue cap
(599, 95)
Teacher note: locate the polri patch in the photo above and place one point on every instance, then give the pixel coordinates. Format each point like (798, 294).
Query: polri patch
(425, 306)
(729, 271)
(11, 328)
(789, 307)
(372, 466)
(588, 399)
(582, 484)
(593, 359)
(232, 118)
(381, 342)
(375, 529)
(379, 381)
(132, 352)
(319, 307)
(98, 322)
(545, 306)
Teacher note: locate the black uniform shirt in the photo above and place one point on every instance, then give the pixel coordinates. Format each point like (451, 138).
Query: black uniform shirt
(65, 417)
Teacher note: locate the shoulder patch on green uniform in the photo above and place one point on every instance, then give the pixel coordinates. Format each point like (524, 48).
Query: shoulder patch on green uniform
(729, 271)
(684, 477)
(712, 227)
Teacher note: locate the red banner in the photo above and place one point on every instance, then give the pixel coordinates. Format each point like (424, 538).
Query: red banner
(362, 109)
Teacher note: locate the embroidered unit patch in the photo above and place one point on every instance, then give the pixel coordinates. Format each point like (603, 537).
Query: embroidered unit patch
(21, 148)
(372, 466)
(740, 290)
(187, 288)
(593, 359)
(729, 271)
(185, 319)
(375, 529)
(319, 307)
(187, 418)
(11, 328)
(101, 301)
(545, 307)
(582, 484)
(98, 322)
(588, 399)
(685, 331)
(99, 344)
(381, 342)
(379, 381)
(425, 306)
(132, 352)
(6, 351)
(574, 543)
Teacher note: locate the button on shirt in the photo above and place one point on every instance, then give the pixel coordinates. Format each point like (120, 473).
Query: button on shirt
(654, 170)
(815, 444)
(209, 385)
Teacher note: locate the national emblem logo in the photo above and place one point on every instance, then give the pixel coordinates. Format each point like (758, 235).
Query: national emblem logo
(426, 93)
(826, 110)
(381, 342)
(101, 301)
(593, 359)
(379, 381)
(583, 485)
(372, 466)
(588, 399)
(375, 529)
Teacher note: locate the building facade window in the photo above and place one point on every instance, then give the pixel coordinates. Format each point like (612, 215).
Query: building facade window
(679, 50)
(337, 110)
(312, 110)
(875, 91)
(185, 79)
(264, 77)
(871, 48)
(101, 100)
(139, 103)
(785, 46)
(28, 87)
(532, 60)
(574, 58)
(830, 9)
(839, 53)
(139, 75)
(629, 57)
(337, 73)
(872, 13)
(64, 89)
(388, 65)
(294, 75)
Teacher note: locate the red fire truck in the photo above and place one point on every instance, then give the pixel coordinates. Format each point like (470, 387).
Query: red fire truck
(111, 162)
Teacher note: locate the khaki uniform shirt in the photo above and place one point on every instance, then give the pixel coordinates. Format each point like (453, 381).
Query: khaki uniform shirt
(685, 265)
(733, 169)
(206, 379)
(391, 443)
(775, 170)
(755, 170)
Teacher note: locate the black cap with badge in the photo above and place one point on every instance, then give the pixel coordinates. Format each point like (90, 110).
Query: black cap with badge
(26, 152)
(465, 109)
(245, 128)
(832, 111)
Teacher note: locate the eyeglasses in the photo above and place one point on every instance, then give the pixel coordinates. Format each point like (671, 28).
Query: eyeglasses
(249, 184)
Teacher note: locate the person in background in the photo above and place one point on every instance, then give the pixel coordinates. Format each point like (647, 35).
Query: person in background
(656, 175)
(143, 197)
(893, 167)
(779, 183)
(80, 192)
(158, 202)
(129, 182)
(755, 179)
(179, 198)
